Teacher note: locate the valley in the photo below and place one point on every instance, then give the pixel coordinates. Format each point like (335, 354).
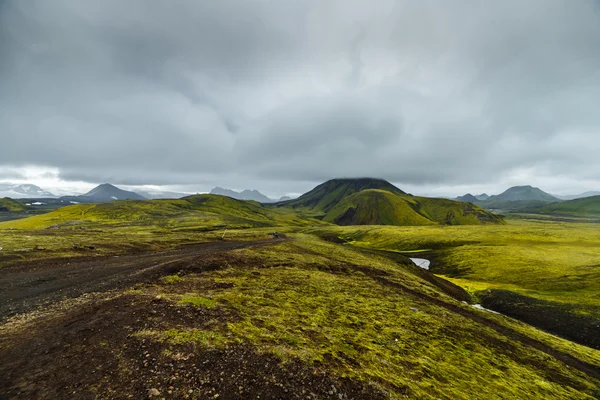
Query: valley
(195, 297)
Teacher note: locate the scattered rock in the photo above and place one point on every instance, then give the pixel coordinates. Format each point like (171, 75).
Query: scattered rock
(153, 392)
(414, 309)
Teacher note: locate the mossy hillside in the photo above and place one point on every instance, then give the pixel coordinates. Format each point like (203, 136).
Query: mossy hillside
(585, 206)
(550, 261)
(327, 195)
(195, 211)
(379, 207)
(9, 205)
(324, 305)
(376, 207)
(450, 212)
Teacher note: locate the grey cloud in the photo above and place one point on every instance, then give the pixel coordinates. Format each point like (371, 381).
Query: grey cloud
(269, 92)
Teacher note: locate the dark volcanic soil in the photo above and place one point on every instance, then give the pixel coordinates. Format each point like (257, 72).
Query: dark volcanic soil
(94, 351)
(28, 285)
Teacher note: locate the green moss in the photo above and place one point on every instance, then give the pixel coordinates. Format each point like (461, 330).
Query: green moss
(323, 304)
(380, 207)
(585, 206)
(170, 279)
(197, 301)
(550, 261)
(197, 336)
(9, 205)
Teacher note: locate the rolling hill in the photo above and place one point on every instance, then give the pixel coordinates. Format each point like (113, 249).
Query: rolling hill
(340, 201)
(327, 195)
(519, 199)
(584, 206)
(10, 205)
(380, 207)
(204, 210)
(376, 207)
(523, 193)
(579, 196)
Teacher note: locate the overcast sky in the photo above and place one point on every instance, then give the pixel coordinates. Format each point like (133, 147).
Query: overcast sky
(439, 97)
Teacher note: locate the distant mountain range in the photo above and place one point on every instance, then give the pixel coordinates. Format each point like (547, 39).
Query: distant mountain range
(523, 193)
(17, 191)
(158, 194)
(104, 193)
(469, 198)
(243, 195)
(516, 198)
(579, 196)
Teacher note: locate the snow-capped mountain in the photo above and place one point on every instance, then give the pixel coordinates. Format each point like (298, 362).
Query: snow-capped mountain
(17, 191)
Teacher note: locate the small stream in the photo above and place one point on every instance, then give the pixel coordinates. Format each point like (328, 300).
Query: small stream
(424, 263)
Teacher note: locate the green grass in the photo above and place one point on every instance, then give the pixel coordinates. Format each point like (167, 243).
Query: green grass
(319, 303)
(170, 279)
(197, 301)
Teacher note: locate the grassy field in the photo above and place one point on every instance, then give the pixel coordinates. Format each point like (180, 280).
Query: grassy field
(323, 304)
(557, 263)
(124, 226)
(351, 309)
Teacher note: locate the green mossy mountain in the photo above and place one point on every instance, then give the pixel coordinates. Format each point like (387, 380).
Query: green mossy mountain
(584, 206)
(380, 207)
(9, 205)
(327, 195)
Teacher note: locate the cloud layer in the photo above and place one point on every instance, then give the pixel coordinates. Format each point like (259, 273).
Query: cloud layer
(282, 94)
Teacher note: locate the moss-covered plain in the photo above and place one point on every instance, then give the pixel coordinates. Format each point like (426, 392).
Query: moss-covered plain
(126, 226)
(359, 314)
(322, 304)
(556, 262)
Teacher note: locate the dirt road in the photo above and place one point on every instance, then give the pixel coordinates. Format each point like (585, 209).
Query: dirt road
(30, 285)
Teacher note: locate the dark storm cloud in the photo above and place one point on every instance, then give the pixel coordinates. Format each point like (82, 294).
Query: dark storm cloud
(233, 92)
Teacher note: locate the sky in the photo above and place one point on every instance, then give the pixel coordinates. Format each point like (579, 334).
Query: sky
(440, 98)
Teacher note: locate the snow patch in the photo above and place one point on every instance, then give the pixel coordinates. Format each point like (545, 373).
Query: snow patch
(480, 307)
(421, 262)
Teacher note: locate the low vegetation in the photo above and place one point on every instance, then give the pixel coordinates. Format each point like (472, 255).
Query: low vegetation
(585, 206)
(10, 205)
(345, 301)
(554, 262)
(371, 319)
(380, 207)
